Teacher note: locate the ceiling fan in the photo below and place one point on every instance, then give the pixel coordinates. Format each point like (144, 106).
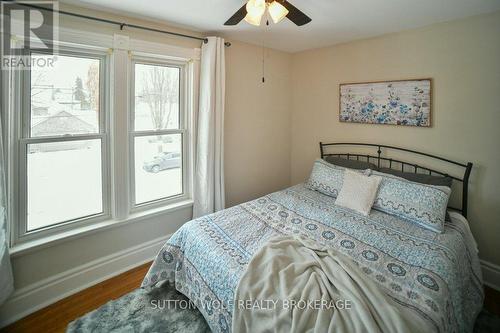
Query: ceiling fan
(253, 11)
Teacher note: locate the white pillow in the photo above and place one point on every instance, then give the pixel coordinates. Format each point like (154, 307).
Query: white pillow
(358, 192)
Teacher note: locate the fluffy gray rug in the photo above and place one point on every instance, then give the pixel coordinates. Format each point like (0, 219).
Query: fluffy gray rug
(162, 310)
(165, 310)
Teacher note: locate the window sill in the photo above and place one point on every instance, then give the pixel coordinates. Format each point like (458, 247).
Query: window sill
(38, 244)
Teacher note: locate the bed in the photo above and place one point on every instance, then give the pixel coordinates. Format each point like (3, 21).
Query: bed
(436, 275)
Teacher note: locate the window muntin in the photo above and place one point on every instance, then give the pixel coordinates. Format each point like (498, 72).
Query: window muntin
(158, 132)
(63, 143)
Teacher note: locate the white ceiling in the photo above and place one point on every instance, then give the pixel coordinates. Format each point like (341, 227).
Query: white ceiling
(333, 21)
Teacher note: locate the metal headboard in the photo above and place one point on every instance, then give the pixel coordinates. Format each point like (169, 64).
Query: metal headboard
(393, 163)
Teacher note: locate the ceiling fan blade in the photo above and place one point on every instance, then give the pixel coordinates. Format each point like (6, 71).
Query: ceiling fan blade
(238, 16)
(295, 15)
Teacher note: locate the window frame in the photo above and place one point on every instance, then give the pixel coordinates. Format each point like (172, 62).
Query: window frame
(22, 122)
(119, 49)
(184, 129)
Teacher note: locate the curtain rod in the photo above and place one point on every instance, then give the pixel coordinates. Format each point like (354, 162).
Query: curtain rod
(121, 24)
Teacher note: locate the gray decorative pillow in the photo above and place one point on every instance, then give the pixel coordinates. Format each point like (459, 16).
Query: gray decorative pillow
(351, 164)
(420, 178)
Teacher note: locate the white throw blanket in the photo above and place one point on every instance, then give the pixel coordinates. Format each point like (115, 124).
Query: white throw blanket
(331, 294)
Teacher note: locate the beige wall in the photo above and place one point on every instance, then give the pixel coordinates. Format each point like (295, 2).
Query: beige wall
(257, 123)
(462, 57)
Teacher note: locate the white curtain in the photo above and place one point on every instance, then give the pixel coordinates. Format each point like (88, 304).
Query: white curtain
(209, 194)
(6, 280)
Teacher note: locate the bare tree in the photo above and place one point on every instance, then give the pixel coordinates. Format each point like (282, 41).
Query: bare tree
(161, 93)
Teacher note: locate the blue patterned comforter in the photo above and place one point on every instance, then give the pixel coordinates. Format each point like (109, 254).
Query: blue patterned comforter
(436, 275)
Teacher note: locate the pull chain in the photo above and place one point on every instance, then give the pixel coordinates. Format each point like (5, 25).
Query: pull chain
(263, 64)
(264, 54)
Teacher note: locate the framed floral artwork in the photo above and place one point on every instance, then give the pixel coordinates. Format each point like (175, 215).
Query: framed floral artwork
(401, 102)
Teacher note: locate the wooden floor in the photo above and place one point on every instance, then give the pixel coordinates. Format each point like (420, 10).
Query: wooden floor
(492, 300)
(57, 316)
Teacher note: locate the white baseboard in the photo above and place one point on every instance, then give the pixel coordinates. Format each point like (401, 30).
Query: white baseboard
(491, 274)
(48, 291)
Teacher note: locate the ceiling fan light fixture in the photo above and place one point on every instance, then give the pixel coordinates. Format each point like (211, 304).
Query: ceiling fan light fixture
(255, 11)
(253, 20)
(277, 11)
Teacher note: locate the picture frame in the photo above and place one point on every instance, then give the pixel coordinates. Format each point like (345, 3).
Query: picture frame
(392, 102)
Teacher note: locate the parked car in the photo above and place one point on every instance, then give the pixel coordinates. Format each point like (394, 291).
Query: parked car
(164, 161)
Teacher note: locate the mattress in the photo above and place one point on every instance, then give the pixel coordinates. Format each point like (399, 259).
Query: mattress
(435, 275)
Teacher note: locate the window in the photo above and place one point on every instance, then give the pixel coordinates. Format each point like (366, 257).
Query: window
(158, 131)
(102, 136)
(62, 142)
